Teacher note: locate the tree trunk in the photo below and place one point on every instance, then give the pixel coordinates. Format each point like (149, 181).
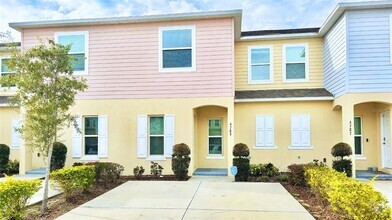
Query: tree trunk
(44, 205)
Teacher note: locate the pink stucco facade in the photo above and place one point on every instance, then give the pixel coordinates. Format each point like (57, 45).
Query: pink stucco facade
(123, 60)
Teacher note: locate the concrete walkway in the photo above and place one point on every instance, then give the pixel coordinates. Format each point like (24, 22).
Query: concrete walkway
(194, 199)
(37, 197)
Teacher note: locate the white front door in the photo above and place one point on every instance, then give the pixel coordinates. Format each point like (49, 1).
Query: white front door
(386, 140)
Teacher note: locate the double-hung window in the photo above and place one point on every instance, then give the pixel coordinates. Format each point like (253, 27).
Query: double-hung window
(91, 135)
(5, 70)
(79, 49)
(156, 135)
(358, 135)
(295, 63)
(300, 132)
(260, 64)
(215, 136)
(177, 49)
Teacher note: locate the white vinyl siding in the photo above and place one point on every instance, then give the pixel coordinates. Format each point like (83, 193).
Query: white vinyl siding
(300, 131)
(295, 62)
(177, 49)
(260, 66)
(15, 134)
(265, 137)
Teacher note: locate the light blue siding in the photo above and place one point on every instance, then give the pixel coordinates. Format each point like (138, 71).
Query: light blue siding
(369, 51)
(334, 59)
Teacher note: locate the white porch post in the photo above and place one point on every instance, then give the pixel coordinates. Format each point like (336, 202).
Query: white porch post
(230, 139)
(348, 130)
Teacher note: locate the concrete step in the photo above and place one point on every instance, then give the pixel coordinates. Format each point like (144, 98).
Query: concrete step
(210, 172)
(37, 171)
(364, 174)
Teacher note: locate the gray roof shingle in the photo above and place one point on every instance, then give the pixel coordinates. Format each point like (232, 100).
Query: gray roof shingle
(4, 100)
(281, 31)
(282, 93)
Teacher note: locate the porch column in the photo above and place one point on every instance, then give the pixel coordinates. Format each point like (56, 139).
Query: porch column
(348, 129)
(230, 139)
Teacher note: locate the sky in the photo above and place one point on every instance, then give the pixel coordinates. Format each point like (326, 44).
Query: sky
(257, 14)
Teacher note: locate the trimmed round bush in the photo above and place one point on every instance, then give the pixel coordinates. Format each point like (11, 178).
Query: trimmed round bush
(59, 156)
(343, 166)
(4, 157)
(341, 150)
(241, 161)
(241, 150)
(181, 160)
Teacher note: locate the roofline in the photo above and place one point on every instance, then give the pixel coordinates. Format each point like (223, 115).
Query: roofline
(290, 99)
(236, 14)
(342, 7)
(279, 36)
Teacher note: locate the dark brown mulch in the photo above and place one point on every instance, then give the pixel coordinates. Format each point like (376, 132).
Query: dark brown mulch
(319, 209)
(153, 178)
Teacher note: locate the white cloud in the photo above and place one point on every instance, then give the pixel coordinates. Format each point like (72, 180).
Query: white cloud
(257, 14)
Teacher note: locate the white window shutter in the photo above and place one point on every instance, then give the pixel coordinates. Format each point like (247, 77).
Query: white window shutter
(15, 134)
(77, 139)
(142, 136)
(269, 131)
(305, 130)
(295, 130)
(169, 135)
(260, 128)
(102, 136)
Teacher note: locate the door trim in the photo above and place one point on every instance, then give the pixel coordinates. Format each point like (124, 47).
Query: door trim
(383, 159)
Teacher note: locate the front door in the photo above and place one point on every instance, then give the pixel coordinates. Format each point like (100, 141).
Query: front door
(386, 140)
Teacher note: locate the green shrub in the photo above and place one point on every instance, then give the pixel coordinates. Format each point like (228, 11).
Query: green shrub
(343, 166)
(282, 178)
(59, 156)
(4, 157)
(14, 195)
(351, 198)
(262, 179)
(107, 173)
(76, 164)
(341, 150)
(267, 169)
(12, 167)
(73, 180)
(297, 172)
(241, 161)
(156, 169)
(181, 160)
(138, 172)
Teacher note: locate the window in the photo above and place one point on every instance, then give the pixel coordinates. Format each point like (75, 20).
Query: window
(79, 49)
(260, 64)
(177, 48)
(5, 70)
(265, 131)
(156, 135)
(295, 59)
(300, 132)
(215, 136)
(358, 135)
(91, 135)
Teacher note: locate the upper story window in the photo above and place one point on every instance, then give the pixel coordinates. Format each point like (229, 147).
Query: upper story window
(79, 49)
(260, 64)
(177, 49)
(5, 70)
(295, 63)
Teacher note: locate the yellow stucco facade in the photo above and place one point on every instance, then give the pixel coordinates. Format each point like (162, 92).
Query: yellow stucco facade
(6, 116)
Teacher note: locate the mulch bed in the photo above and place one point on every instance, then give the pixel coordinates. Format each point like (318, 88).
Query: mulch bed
(319, 209)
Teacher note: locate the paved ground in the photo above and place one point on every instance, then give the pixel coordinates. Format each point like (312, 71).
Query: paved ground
(199, 198)
(385, 187)
(37, 197)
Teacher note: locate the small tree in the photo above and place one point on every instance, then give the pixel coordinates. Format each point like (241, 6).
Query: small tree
(46, 91)
(241, 161)
(340, 151)
(181, 160)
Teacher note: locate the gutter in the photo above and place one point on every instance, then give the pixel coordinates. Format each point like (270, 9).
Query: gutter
(291, 99)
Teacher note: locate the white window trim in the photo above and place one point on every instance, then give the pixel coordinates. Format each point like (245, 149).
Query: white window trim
(390, 37)
(88, 157)
(264, 147)
(155, 157)
(271, 75)
(86, 47)
(193, 48)
(285, 46)
(310, 147)
(214, 156)
(12, 88)
(359, 156)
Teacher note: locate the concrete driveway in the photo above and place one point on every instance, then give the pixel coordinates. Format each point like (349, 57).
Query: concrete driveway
(196, 199)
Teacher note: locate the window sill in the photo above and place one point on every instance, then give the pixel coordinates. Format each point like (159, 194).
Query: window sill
(14, 148)
(295, 81)
(301, 148)
(215, 157)
(80, 73)
(265, 147)
(179, 69)
(89, 158)
(156, 158)
(360, 157)
(252, 82)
